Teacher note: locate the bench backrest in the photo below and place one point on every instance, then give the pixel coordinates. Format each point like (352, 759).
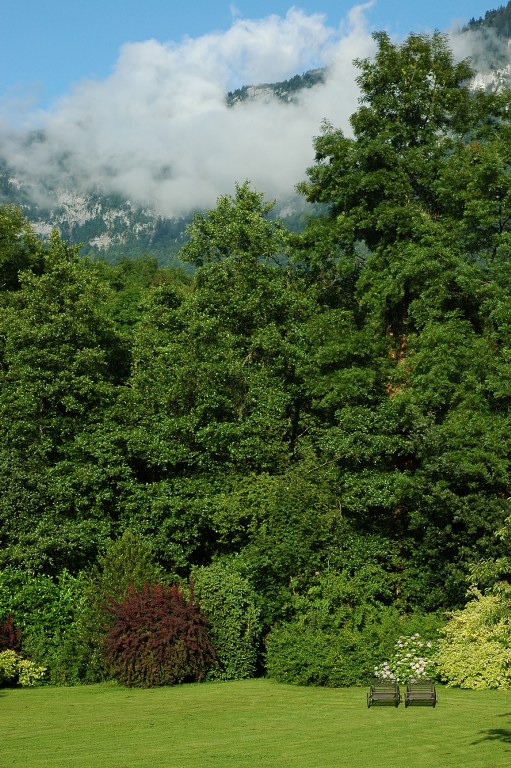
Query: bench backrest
(421, 685)
(384, 685)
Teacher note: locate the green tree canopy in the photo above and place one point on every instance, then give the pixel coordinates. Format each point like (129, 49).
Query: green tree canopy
(416, 242)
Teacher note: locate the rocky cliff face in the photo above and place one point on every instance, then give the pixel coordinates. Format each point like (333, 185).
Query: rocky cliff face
(493, 80)
(109, 225)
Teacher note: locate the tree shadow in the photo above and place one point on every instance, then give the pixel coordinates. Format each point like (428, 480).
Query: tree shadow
(495, 734)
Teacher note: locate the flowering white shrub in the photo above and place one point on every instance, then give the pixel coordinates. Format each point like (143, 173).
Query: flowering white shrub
(412, 660)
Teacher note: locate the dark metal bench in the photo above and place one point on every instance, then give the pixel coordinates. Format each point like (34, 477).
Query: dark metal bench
(384, 692)
(421, 692)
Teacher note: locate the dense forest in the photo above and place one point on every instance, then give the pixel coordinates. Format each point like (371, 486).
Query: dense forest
(498, 20)
(309, 432)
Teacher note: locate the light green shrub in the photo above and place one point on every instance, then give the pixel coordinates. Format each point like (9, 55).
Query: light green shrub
(8, 666)
(29, 673)
(475, 648)
(15, 669)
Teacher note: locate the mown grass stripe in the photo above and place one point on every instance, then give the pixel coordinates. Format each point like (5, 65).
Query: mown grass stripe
(256, 723)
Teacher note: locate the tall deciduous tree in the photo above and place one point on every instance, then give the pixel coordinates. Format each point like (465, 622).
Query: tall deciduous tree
(20, 248)
(60, 363)
(418, 206)
(215, 386)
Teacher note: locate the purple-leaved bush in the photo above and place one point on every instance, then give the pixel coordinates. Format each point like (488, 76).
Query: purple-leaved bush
(157, 636)
(10, 636)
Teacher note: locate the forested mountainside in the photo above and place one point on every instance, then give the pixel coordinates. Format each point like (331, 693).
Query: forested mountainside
(286, 90)
(311, 429)
(110, 225)
(498, 21)
(105, 224)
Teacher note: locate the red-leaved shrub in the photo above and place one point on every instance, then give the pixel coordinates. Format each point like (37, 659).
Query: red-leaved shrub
(157, 636)
(10, 636)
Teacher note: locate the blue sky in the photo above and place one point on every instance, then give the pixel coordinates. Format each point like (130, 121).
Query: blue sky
(46, 45)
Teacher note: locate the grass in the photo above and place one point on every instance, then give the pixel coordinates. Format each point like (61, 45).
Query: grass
(256, 723)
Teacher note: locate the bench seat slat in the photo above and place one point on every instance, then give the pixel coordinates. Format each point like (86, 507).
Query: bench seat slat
(420, 692)
(384, 692)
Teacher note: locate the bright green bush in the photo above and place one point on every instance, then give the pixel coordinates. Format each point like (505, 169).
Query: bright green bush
(475, 647)
(46, 610)
(306, 656)
(36, 601)
(228, 601)
(340, 630)
(15, 669)
(29, 673)
(8, 666)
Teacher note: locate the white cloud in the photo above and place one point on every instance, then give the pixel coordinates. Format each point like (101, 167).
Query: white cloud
(158, 131)
(484, 48)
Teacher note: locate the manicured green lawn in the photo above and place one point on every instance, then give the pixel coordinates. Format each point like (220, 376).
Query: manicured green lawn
(254, 723)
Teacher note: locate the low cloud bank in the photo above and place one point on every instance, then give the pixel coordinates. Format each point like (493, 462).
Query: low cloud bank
(158, 130)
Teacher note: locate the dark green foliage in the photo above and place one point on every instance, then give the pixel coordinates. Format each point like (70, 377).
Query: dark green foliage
(344, 619)
(59, 371)
(316, 425)
(20, 249)
(214, 393)
(307, 656)
(418, 429)
(345, 623)
(157, 637)
(340, 631)
(281, 526)
(286, 91)
(498, 20)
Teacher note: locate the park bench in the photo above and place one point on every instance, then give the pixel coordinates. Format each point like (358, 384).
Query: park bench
(384, 692)
(420, 692)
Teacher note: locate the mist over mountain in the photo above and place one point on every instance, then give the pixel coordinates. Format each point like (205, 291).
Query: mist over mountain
(120, 164)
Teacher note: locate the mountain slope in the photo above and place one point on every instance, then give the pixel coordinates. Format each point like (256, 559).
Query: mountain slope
(498, 21)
